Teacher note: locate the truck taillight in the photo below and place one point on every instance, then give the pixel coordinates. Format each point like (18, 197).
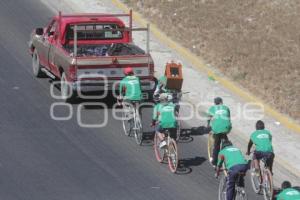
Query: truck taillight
(72, 72)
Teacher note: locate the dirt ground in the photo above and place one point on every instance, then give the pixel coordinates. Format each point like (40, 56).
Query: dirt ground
(255, 43)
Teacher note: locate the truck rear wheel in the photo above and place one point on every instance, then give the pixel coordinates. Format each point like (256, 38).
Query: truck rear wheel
(67, 93)
(36, 66)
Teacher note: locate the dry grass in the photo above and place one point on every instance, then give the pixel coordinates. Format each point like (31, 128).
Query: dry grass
(256, 43)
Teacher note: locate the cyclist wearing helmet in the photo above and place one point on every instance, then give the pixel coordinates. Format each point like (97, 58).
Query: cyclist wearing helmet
(220, 124)
(288, 193)
(130, 86)
(262, 139)
(164, 118)
(234, 163)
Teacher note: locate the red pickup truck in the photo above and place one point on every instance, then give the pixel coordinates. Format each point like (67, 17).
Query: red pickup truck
(87, 52)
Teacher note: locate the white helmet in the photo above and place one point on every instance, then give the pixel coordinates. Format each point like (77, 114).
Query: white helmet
(170, 97)
(163, 97)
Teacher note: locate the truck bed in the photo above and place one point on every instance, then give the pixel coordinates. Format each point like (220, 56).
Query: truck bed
(105, 50)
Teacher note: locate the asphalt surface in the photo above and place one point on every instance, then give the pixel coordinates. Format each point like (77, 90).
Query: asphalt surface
(45, 159)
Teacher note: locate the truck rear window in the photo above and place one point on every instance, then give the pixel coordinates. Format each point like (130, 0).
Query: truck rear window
(94, 32)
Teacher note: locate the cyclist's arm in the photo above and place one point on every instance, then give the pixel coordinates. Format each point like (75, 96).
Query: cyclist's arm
(229, 113)
(220, 163)
(210, 113)
(140, 84)
(140, 87)
(220, 160)
(250, 143)
(155, 113)
(122, 88)
(154, 118)
(156, 91)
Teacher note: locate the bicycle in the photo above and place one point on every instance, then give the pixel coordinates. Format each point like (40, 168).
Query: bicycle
(239, 192)
(170, 151)
(263, 180)
(131, 121)
(176, 98)
(210, 145)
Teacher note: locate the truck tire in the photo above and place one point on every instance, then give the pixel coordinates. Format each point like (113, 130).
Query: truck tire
(36, 66)
(67, 93)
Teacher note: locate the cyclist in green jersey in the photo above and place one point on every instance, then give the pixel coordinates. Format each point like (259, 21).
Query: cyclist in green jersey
(234, 163)
(262, 139)
(161, 87)
(130, 86)
(164, 118)
(288, 193)
(220, 124)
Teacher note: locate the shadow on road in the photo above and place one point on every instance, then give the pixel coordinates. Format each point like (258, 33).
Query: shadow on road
(148, 138)
(185, 136)
(185, 165)
(201, 130)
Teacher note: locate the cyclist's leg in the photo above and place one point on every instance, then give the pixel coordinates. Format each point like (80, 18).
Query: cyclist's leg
(242, 169)
(128, 105)
(159, 132)
(139, 109)
(271, 161)
(173, 133)
(232, 175)
(217, 142)
(269, 156)
(224, 137)
(177, 107)
(257, 156)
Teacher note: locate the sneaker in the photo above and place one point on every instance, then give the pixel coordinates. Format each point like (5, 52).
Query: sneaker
(162, 144)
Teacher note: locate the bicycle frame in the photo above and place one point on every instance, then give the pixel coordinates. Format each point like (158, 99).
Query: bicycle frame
(263, 182)
(267, 180)
(169, 151)
(134, 121)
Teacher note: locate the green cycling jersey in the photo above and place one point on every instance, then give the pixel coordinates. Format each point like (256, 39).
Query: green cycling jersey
(165, 115)
(231, 156)
(130, 88)
(262, 140)
(221, 122)
(289, 194)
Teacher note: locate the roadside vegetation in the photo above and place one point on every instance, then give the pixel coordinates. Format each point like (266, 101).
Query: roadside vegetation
(254, 43)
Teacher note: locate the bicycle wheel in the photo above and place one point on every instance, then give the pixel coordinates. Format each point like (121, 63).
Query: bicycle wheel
(159, 152)
(138, 132)
(222, 188)
(210, 146)
(172, 156)
(255, 179)
(267, 184)
(127, 122)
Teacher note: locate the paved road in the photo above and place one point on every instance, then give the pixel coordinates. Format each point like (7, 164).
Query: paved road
(44, 159)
